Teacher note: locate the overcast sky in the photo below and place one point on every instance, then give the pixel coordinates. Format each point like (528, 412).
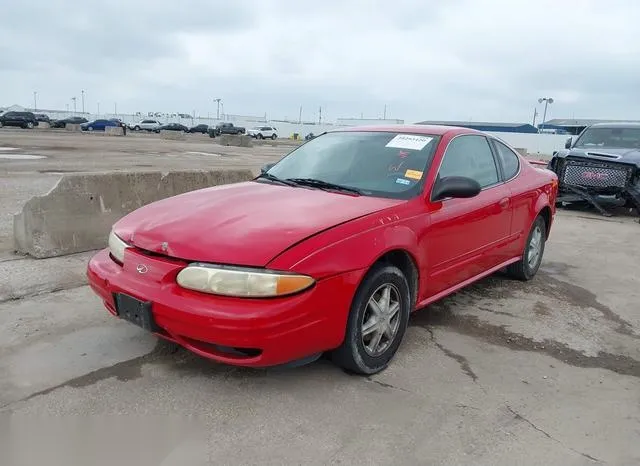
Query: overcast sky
(453, 59)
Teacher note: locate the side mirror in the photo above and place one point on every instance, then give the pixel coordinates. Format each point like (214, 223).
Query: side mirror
(567, 145)
(456, 187)
(267, 167)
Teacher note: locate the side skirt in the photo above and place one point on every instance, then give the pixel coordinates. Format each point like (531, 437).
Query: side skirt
(459, 286)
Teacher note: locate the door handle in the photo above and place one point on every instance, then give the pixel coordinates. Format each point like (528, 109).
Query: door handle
(504, 203)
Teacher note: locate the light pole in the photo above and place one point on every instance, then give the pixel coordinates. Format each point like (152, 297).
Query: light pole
(82, 93)
(98, 108)
(218, 111)
(74, 105)
(35, 101)
(547, 101)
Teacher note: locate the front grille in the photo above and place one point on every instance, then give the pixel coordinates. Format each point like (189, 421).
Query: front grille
(595, 174)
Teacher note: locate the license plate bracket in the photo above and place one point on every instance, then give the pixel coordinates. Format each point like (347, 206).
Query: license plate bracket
(135, 311)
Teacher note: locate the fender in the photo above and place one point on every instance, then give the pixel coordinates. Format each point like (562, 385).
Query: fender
(352, 246)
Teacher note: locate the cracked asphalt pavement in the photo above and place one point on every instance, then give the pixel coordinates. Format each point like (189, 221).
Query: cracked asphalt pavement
(502, 373)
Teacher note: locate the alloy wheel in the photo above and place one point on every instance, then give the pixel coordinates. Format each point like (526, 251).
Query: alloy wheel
(381, 319)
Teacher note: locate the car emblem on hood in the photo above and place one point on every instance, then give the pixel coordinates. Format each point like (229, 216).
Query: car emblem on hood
(141, 268)
(165, 246)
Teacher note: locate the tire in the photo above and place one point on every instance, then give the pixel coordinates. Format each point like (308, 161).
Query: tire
(30, 125)
(274, 136)
(260, 136)
(360, 354)
(90, 128)
(136, 128)
(524, 269)
(1, 124)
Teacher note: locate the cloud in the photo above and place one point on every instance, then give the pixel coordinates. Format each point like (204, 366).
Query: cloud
(480, 59)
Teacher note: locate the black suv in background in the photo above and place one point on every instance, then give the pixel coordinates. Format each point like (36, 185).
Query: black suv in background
(21, 119)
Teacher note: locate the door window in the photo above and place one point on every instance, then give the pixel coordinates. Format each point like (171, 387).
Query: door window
(470, 156)
(509, 160)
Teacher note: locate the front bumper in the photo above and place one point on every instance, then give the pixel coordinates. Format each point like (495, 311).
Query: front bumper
(247, 332)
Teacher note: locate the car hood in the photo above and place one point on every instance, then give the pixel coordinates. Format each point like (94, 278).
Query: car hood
(246, 223)
(617, 154)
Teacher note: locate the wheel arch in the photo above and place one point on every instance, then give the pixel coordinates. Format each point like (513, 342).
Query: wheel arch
(403, 260)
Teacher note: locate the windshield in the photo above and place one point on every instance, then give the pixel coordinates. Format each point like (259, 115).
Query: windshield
(610, 137)
(382, 164)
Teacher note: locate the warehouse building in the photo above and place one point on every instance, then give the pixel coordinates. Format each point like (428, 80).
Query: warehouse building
(486, 126)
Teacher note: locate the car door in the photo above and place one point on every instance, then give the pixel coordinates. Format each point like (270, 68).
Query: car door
(466, 237)
(522, 196)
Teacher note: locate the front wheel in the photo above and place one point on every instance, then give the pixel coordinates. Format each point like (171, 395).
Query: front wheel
(90, 128)
(274, 136)
(136, 128)
(30, 125)
(527, 267)
(377, 321)
(260, 136)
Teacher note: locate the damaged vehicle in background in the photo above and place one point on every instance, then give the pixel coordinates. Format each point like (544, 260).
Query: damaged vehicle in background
(602, 167)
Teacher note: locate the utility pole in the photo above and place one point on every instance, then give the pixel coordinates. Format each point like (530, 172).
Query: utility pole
(74, 105)
(384, 117)
(35, 101)
(218, 111)
(98, 108)
(547, 101)
(115, 108)
(82, 93)
(535, 114)
(320, 115)
(300, 115)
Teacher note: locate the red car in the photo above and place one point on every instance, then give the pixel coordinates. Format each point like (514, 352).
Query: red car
(331, 248)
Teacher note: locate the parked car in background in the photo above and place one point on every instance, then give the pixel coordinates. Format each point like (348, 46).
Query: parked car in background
(19, 119)
(173, 127)
(262, 132)
(98, 125)
(202, 128)
(602, 166)
(331, 248)
(41, 117)
(228, 128)
(146, 125)
(71, 120)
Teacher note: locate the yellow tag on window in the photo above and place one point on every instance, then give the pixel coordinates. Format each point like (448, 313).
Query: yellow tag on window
(413, 174)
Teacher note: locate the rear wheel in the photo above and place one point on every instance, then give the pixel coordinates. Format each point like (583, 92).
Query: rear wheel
(30, 125)
(377, 321)
(274, 136)
(527, 267)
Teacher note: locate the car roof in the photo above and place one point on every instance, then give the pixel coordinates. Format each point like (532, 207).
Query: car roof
(629, 125)
(433, 130)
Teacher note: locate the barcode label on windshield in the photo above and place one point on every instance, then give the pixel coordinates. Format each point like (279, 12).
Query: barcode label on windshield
(409, 141)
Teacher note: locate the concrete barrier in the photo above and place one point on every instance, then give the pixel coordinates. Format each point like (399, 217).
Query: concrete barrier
(43, 125)
(114, 131)
(77, 214)
(235, 140)
(72, 127)
(172, 135)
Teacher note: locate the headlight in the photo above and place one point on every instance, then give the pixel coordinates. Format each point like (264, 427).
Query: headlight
(117, 247)
(247, 283)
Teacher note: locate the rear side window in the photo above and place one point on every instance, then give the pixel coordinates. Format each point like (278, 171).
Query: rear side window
(510, 161)
(470, 156)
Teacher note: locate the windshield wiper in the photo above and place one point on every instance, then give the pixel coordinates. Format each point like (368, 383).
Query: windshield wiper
(275, 179)
(315, 183)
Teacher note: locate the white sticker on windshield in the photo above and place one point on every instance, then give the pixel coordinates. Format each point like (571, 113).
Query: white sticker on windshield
(409, 141)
